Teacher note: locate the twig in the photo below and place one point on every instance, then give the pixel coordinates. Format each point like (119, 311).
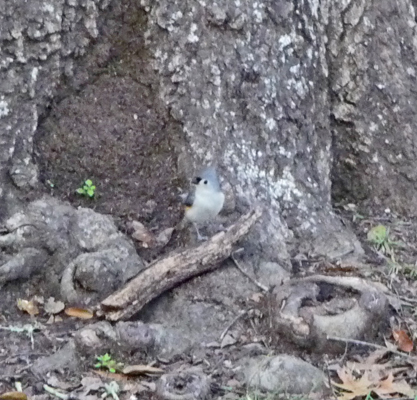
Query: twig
(241, 314)
(375, 346)
(262, 287)
(56, 393)
(330, 381)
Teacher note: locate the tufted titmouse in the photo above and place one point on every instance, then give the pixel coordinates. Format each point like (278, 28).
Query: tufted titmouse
(205, 201)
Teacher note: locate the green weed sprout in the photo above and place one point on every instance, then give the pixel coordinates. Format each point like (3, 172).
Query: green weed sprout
(88, 189)
(379, 237)
(105, 361)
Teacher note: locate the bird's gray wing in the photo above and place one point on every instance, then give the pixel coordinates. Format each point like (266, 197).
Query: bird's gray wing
(189, 200)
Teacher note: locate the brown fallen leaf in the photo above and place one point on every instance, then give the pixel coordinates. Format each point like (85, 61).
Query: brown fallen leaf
(367, 383)
(403, 341)
(28, 306)
(142, 234)
(13, 396)
(91, 384)
(79, 313)
(141, 370)
(57, 383)
(135, 387)
(388, 387)
(353, 387)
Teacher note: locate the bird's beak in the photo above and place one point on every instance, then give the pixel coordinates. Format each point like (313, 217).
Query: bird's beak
(196, 180)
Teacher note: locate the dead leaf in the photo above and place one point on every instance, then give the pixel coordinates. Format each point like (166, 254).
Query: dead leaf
(38, 299)
(79, 313)
(28, 305)
(228, 340)
(164, 236)
(142, 234)
(388, 386)
(404, 343)
(376, 356)
(57, 383)
(389, 345)
(91, 383)
(13, 396)
(134, 387)
(141, 369)
(367, 383)
(53, 307)
(354, 386)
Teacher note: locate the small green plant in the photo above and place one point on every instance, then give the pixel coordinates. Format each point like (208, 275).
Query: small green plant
(379, 237)
(105, 361)
(88, 189)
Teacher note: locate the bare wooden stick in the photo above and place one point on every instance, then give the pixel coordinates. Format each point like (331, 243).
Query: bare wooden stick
(373, 345)
(253, 280)
(240, 315)
(170, 271)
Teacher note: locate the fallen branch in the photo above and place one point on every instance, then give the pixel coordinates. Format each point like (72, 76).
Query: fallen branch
(169, 272)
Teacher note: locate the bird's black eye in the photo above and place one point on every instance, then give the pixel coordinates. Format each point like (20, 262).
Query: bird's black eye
(205, 182)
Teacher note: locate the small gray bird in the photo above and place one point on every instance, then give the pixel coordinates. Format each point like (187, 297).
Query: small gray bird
(205, 201)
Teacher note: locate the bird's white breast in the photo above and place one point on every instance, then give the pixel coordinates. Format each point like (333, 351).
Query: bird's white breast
(207, 204)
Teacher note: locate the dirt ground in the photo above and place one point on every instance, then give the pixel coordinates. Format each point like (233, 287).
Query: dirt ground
(18, 354)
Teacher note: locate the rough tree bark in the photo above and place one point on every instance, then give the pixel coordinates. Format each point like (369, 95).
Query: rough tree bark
(249, 82)
(39, 42)
(372, 56)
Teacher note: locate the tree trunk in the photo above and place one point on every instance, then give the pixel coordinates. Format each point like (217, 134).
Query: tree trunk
(372, 56)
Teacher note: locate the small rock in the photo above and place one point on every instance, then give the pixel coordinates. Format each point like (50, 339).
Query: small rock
(188, 384)
(283, 373)
(164, 236)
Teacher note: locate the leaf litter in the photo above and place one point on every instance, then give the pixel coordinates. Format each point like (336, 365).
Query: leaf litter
(367, 377)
